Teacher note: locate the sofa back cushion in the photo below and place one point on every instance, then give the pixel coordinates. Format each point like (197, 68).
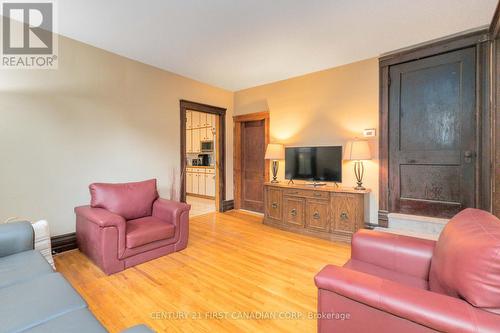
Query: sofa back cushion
(129, 200)
(466, 260)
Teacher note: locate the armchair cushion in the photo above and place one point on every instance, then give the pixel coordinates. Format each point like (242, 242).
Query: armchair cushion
(387, 274)
(466, 261)
(129, 200)
(406, 255)
(146, 230)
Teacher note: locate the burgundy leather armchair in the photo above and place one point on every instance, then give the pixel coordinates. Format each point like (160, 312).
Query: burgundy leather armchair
(396, 283)
(127, 224)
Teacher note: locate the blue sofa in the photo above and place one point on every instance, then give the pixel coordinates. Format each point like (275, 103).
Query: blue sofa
(34, 298)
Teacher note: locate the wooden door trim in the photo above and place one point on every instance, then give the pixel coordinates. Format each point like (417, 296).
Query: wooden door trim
(221, 148)
(478, 39)
(494, 72)
(237, 172)
(435, 47)
(494, 28)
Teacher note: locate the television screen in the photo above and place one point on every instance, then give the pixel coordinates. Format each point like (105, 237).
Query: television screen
(314, 163)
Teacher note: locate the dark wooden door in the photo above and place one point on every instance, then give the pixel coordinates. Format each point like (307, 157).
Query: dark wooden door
(432, 134)
(253, 164)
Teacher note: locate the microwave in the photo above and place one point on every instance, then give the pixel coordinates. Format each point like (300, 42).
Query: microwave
(207, 146)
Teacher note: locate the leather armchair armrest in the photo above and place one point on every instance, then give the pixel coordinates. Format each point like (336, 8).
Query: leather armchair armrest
(403, 254)
(16, 237)
(101, 217)
(437, 311)
(169, 210)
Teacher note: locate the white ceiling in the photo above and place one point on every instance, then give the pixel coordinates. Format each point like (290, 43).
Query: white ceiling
(236, 44)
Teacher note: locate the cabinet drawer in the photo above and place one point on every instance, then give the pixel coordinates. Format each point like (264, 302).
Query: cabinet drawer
(317, 215)
(308, 193)
(210, 171)
(347, 211)
(294, 210)
(274, 203)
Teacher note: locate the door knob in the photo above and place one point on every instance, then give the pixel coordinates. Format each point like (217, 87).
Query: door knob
(468, 155)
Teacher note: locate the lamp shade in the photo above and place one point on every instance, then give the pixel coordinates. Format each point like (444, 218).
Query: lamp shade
(357, 150)
(275, 151)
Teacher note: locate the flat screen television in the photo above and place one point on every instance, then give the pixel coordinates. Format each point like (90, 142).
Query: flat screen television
(314, 163)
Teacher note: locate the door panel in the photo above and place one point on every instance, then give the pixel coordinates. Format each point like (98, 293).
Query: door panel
(253, 164)
(432, 135)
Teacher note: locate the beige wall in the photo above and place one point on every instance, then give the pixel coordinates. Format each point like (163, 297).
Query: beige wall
(323, 108)
(99, 117)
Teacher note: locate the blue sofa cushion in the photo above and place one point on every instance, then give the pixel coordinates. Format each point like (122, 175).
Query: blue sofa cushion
(138, 329)
(31, 303)
(72, 322)
(21, 267)
(16, 237)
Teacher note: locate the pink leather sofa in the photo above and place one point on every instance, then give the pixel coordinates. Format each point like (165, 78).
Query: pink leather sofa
(403, 284)
(127, 224)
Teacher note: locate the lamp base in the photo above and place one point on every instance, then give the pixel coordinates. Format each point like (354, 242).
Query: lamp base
(275, 172)
(359, 171)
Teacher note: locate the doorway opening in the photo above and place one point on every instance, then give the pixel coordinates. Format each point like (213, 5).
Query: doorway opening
(202, 157)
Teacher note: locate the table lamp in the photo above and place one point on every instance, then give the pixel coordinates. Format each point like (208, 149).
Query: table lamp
(275, 152)
(358, 150)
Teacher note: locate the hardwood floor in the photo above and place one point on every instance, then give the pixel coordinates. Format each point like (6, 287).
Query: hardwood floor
(233, 267)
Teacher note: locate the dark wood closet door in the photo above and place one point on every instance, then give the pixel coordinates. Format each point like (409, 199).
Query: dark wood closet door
(432, 134)
(253, 164)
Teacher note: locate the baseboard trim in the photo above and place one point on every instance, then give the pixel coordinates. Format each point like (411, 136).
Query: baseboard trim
(383, 219)
(227, 205)
(63, 243)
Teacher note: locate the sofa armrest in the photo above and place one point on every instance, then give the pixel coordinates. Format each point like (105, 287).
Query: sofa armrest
(437, 311)
(16, 237)
(101, 217)
(169, 210)
(403, 254)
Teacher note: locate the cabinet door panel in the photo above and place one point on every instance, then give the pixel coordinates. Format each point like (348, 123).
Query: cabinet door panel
(294, 211)
(201, 184)
(189, 141)
(189, 120)
(210, 184)
(273, 203)
(203, 119)
(317, 215)
(209, 134)
(189, 182)
(195, 119)
(196, 176)
(347, 210)
(196, 140)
